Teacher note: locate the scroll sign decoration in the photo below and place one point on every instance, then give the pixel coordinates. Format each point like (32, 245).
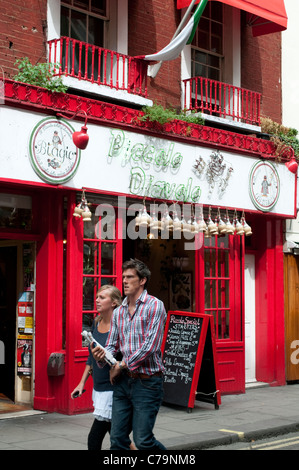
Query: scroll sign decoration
(217, 172)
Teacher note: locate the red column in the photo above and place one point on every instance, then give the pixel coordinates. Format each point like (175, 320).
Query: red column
(75, 355)
(48, 310)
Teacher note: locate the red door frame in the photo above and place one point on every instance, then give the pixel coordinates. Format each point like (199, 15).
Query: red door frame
(269, 281)
(230, 352)
(76, 355)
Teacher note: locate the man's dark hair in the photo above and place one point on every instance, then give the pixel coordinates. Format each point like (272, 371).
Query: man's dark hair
(141, 269)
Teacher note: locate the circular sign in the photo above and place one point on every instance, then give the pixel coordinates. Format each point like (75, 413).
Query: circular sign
(264, 185)
(53, 155)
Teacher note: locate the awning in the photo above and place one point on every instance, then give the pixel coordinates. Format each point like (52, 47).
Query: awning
(266, 16)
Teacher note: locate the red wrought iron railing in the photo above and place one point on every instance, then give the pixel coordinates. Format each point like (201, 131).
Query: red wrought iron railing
(222, 100)
(97, 65)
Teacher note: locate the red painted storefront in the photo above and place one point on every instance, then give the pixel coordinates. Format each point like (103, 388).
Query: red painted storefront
(59, 243)
(59, 263)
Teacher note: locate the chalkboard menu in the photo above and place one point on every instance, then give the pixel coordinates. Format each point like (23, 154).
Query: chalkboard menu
(189, 359)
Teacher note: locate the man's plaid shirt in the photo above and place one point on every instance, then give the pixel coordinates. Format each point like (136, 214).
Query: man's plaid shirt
(139, 337)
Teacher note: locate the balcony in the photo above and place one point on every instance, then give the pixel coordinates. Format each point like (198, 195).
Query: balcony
(122, 78)
(99, 71)
(223, 103)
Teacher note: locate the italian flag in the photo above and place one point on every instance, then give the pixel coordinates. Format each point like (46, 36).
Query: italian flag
(175, 47)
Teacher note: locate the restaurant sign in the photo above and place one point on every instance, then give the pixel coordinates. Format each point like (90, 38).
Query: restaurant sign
(53, 155)
(143, 165)
(264, 185)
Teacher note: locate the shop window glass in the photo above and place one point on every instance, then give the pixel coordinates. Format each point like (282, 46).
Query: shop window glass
(15, 212)
(89, 287)
(210, 293)
(223, 263)
(90, 258)
(210, 263)
(107, 258)
(217, 283)
(223, 324)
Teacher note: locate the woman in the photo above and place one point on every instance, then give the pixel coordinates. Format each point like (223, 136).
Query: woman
(107, 299)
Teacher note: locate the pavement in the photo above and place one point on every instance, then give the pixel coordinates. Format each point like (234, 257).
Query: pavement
(260, 412)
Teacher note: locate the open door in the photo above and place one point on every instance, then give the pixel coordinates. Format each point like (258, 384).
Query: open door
(8, 299)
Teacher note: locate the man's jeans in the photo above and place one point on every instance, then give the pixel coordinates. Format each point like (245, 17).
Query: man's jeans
(136, 403)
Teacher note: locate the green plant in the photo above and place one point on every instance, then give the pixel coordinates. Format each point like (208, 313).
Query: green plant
(281, 135)
(157, 113)
(192, 118)
(41, 74)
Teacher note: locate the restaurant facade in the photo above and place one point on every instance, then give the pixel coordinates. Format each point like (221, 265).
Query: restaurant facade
(203, 205)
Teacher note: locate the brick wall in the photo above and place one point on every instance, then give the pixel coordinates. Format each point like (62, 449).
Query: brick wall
(261, 70)
(151, 27)
(22, 24)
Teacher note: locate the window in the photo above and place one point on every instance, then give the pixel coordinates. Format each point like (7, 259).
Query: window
(93, 6)
(222, 284)
(211, 65)
(84, 22)
(102, 257)
(15, 212)
(207, 45)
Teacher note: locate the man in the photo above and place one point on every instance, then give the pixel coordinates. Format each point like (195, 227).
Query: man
(137, 331)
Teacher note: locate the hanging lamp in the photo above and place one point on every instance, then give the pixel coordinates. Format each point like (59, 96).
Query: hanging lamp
(238, 226)
(246, 227)
(80, 138)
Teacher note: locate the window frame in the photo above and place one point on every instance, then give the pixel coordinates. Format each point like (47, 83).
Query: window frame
(88, 13)
(235, 278)
(117, 37)
(231, 70)
(208, 52)
(70, 5)
(98, 276)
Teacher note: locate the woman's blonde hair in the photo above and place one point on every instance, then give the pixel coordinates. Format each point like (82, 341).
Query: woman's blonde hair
(115, 296)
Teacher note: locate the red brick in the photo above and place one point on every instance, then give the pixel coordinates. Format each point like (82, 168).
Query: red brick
(261, 70)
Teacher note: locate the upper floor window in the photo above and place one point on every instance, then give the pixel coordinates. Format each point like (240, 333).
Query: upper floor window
(207, 46)
(88, 41)
(84, 20)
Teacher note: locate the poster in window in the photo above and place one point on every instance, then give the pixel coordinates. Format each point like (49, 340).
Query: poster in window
(181, 292)
(24, 354)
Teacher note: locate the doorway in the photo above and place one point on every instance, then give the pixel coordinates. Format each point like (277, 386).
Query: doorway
(172, 270)
(17, 286)
(8, 301)
(250, 337)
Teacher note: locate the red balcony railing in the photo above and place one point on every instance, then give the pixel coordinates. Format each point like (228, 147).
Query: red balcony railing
(222, 100)
(94, 64)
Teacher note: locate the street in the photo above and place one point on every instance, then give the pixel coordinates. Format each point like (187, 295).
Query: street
(283, 442)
